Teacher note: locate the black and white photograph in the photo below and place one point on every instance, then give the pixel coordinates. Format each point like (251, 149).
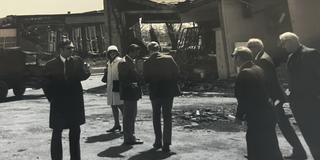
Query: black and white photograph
(159, 80)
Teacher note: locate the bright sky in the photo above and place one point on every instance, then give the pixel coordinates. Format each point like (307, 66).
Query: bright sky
(27, 7)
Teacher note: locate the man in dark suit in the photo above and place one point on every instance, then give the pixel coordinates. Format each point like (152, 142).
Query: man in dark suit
(255, 107)
(161, 73)
(130, 93)
(64, 91)
(304, 83)
(265, 61)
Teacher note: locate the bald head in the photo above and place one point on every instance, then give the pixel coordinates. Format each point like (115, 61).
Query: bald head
(289, 41)
(255, 45)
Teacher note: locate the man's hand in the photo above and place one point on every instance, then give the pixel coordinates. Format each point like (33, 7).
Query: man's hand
(287, 91)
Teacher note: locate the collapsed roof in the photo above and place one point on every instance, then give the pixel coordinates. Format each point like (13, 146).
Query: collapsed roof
(158, 11)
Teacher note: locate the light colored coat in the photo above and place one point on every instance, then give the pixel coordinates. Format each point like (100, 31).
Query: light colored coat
(113, 74)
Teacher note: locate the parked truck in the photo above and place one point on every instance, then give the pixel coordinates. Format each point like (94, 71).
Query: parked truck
(18, 72)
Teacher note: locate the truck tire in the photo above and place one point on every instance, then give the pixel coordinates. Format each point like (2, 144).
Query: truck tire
(19, 91)
(3, 90)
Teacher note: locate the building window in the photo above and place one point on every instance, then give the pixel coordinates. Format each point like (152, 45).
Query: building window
(92, 40)
(8, 38)
(52, 39)
(77, 38)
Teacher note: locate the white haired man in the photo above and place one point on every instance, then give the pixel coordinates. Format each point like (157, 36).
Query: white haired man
(304, 76)
(255, 107)
(265, 61)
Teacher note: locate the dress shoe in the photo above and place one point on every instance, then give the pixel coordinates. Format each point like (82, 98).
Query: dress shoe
(296, 156)
(137, 141)
(114, 129)
(157, 145)
(166, 148)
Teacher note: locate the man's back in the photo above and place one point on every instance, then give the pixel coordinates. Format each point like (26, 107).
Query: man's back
(161, 72)
(265, 61)
(304, 72)
(253, 99)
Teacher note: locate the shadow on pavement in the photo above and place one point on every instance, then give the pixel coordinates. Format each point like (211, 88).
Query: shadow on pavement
(25, 97)
(151, 154)
(97, 90)
(115, 151)
(103, 137)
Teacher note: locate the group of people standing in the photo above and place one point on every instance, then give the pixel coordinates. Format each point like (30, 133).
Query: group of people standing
(63, 90)
(258, 91)
(261, 98)
(160, 72)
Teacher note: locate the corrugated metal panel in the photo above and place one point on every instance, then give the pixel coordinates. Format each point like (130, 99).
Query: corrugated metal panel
(168, 1)
(85, 19)
(8, 32)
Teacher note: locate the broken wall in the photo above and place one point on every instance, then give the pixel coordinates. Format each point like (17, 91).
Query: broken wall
(239, 25)
(304, 18)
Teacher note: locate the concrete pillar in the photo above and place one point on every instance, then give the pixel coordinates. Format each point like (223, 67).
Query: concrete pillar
(304, 19)
(112, 30)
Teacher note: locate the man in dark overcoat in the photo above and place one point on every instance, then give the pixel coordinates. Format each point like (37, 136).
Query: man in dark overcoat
(63, 90)
(265, 61)
(130, 93)
(256, 108)
(161, 74)
(304, 83)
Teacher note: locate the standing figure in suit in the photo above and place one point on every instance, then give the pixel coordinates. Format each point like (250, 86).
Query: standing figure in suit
(64, 92)
(256, 108)
(304, 83)
(265, 61)
(113, 86)
(161, 73)
(130, 93)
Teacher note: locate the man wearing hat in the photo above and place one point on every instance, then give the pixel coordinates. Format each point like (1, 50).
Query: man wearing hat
(256, 108)
(130, 93)
(161, 73)
(63, 90)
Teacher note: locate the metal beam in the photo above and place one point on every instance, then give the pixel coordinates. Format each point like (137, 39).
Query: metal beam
(151, 11)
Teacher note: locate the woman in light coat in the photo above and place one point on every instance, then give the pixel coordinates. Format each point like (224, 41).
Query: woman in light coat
(113, 86)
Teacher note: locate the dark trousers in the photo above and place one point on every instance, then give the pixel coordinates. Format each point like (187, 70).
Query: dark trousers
(56, 144)
(306, 112)
(288, 131)
(262, 144)
(129, 118)
(164, 105)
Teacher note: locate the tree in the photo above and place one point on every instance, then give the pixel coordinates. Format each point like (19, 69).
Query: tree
(174, 33)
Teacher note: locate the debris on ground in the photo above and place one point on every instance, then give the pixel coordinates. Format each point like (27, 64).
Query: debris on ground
(218, 119)
(222, 86)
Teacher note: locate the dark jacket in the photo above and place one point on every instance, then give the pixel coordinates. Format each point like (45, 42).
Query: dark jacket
(264, 60)
(304, 73)
(129, 80)
(254, 105)
(65, 93)
(161, 73)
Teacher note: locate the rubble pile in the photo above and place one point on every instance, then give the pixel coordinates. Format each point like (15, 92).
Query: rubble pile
(205, 115)
(225, 86)
(218, 119)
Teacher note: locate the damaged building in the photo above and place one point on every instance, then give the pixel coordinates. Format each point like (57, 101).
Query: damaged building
(221, 25)
(42, 33)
